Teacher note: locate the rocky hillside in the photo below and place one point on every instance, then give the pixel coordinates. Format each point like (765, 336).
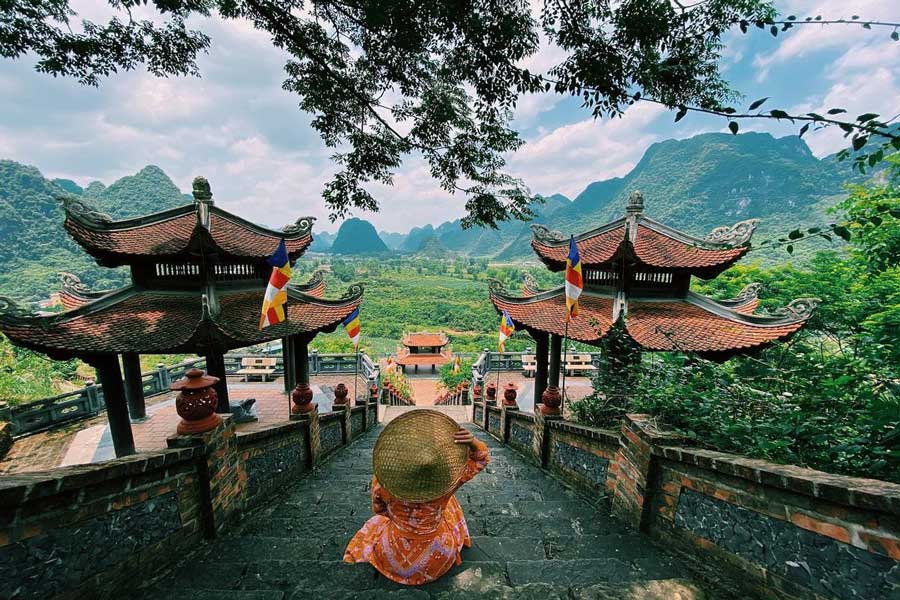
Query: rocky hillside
(358, 237)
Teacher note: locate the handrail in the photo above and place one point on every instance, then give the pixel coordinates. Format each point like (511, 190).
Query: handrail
(47, 413)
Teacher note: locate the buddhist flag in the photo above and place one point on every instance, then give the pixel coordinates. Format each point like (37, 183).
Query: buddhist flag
(506, 330)
(456, 365)
(574, 281)
(275, 300)
(351, 324)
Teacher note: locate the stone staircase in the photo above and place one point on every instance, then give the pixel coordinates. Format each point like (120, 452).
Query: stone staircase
(532, 538)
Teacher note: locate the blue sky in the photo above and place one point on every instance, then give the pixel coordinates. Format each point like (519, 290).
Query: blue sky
(239, 129)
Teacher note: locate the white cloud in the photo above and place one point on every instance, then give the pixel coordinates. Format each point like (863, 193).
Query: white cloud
(571, 156)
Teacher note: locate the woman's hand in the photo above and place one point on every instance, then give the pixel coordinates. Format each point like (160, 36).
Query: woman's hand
(463, 436)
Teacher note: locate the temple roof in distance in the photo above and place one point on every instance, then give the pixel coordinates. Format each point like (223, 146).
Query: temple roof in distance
(424, 339)
(639, 238)
(407, 359)
(73, 293)
(179, 231)
(695, 323)
(159, 321)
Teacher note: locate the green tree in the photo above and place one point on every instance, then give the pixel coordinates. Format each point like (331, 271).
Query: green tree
(385, 80)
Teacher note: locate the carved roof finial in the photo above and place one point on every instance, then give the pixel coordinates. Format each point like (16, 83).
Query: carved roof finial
(201, 190)
(635, 204)
(736, 235)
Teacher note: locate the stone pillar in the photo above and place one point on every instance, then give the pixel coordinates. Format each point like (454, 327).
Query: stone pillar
(555, 360)
(632, 470)
(314, 439)
(219, 467)
(134, 386)
(215, 366)
(107, 366)
(542, 356)
(541, 439)
(505, 412)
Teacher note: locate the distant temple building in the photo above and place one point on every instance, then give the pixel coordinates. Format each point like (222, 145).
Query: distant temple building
(198, 275)
(637, 275)
(423, 349)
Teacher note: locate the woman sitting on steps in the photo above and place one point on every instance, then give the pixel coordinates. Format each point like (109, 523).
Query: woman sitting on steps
(420, 459)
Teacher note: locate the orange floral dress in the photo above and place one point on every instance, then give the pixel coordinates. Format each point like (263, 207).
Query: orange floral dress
(415, 542)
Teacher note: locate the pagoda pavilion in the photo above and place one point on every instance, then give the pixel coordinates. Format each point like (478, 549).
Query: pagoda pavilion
(637, 274)
(423, 349)
(198, 275)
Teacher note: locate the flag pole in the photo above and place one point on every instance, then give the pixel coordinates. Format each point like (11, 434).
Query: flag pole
(565, 356)
(355, 375)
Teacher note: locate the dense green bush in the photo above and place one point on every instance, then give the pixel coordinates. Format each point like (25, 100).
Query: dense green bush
(829, 398)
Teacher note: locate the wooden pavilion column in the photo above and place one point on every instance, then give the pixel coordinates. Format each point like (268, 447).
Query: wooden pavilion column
(301, 360)
(542, 342)
(107, 366)
(287, 360)
(134, 386)
(215, 366)
(555, 360)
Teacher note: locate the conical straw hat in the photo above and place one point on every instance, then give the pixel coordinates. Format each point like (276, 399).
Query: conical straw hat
(415, 457)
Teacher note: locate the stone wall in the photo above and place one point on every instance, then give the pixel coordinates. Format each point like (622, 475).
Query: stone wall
(775, 531)
(84, 530)
(92, 531)
(273, 457)
(493, 422)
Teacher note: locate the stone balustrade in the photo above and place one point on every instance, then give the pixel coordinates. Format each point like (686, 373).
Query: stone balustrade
(772, 530)
(93, 530)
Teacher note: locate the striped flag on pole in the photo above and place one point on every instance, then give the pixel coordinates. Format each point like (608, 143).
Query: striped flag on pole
(574, 280)
(506, 329)
(456, 365)
(351, 324)
(275, 300)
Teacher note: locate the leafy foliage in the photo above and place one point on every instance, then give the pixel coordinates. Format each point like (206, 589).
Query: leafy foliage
(449, 380)
(830, 398)
(439, 80)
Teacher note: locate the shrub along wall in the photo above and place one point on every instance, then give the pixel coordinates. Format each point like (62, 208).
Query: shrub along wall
(775, 530)
(89, 531)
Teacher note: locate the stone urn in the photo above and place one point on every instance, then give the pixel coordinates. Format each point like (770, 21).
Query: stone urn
(551, 400)
(340, 395)
(510, 391)
(301, 398)
(373, 392)
(491, 395)
(196, 402)
(476, 392)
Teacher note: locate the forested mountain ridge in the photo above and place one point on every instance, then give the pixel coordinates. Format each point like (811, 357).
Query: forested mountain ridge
(33, 245)
(358, 237)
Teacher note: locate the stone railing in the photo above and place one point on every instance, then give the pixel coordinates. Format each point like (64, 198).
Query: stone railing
(47, 413)
(771, 530)
(458, 396)
(90, 531)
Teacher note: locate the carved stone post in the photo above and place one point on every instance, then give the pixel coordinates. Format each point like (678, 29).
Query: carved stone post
(541, 439)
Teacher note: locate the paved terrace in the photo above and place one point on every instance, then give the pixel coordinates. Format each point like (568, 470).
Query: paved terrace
(532, 538)
(90, 441)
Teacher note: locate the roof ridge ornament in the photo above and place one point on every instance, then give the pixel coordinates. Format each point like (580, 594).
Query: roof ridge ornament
(83, 211)
(496, 287)
(200, 190)
(545, 234)
(635, 205)
(736, 235)
(12, 310)
(530, 284)
(799, 309)
(72, 283)
(302, 225)
(748, 292)
(353, 292)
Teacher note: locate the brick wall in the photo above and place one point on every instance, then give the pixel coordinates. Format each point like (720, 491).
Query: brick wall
(273, 457)
(91, 531)
(773, 530)
(84, 530)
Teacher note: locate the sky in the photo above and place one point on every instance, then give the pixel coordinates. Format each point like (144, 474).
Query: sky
(238, 128)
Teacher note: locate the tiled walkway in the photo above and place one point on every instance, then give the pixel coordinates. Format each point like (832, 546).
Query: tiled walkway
(90, 441)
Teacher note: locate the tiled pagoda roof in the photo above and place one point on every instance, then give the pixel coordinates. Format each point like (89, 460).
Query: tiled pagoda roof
(157, 321)
(407, 359)
(694, 323)
(176, 232)
(637, 238)
(425, 339)
(73, 293)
